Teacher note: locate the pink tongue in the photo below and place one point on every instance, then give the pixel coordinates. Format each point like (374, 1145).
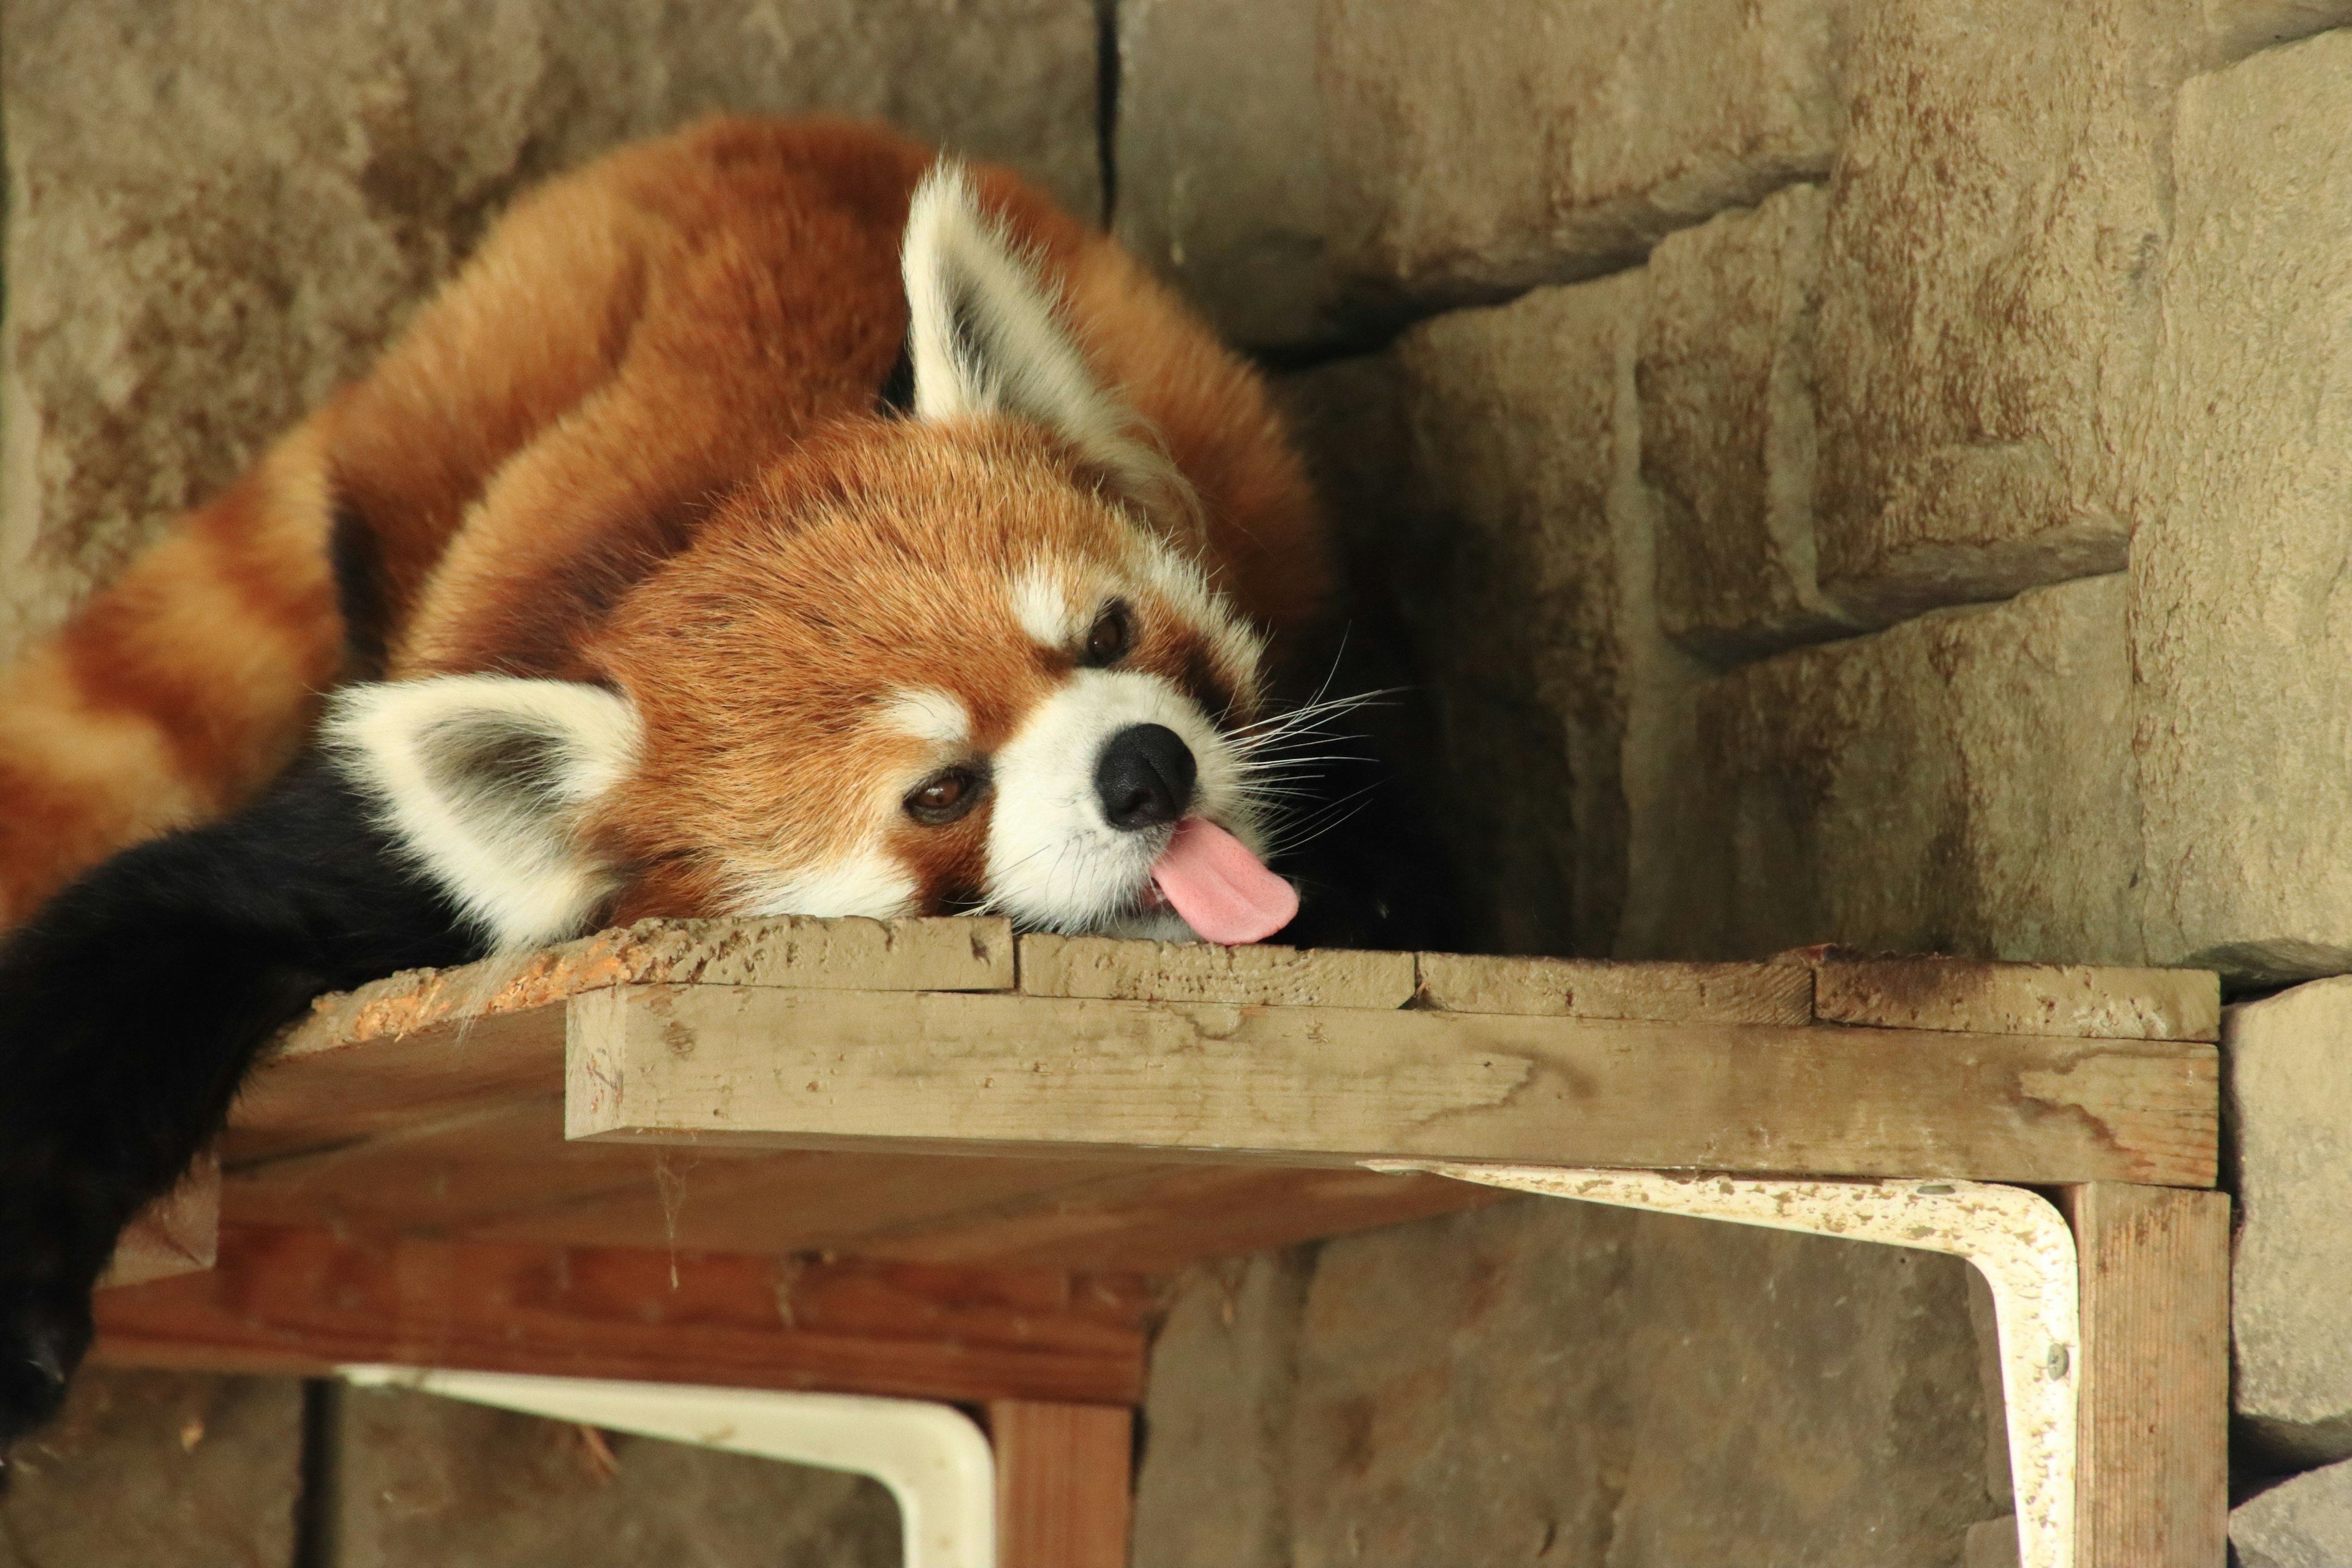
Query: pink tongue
(1222, 889)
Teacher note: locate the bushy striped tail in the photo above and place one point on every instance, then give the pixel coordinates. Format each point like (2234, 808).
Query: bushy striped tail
(181, 690)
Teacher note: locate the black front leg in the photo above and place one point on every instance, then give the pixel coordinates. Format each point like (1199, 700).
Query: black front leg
(130, 1008)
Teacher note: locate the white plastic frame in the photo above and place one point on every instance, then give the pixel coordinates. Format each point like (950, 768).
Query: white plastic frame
(932, 1458)
(2015, 1239)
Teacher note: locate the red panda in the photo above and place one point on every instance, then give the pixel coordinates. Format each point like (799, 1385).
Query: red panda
(771, 519)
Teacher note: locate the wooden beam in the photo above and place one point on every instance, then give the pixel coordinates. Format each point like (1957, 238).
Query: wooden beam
(1029, 1074)
(179, 1233)
(2077, 1000)
(2152, 1464)
(1597, 988)
(1063, 1483)
(304, 1301)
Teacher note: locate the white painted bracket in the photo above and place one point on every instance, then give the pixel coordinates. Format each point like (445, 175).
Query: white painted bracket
(2015, 1239)
(932, 1456)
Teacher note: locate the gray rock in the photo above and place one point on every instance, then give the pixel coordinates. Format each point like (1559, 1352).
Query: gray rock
(1961, 783)
(1990, 292)
(425, 1479)
(2287, 1065)
(1481, 466)
(2241, 624)
(1551, 1382)
(1222, 184)
(206, 236)
(163, 1469)
(1224, 1375)
(1313, 171)
(1727, 437)
(2305, 1522)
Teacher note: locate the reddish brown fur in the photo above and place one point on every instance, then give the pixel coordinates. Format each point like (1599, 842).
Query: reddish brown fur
(668, 357)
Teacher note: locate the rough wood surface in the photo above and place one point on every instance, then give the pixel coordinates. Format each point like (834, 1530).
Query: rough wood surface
(505, 1173)
(2078, 1001)
(1063, 1483)
(2152, 1465)
(178, 1234)
(1202, 972)
(1159, 1218)
(1006, 1074)
(301, 1301)
(957, 954)
(1589, 988)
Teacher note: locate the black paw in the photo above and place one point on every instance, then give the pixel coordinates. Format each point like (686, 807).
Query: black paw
(44, 1332)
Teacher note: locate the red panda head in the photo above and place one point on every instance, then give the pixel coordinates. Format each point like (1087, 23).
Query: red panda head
(966, 660)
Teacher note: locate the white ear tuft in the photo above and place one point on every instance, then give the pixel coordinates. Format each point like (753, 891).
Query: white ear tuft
(481, 777)
(985, 337)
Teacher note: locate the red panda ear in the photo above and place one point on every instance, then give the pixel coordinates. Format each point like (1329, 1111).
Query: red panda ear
(481, 778)
(986, 337)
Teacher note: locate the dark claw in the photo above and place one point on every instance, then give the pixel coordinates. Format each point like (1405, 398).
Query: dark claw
(43, 1337)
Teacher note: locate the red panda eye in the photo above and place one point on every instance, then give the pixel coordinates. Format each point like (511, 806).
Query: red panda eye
(945, 796)
(1113, 631)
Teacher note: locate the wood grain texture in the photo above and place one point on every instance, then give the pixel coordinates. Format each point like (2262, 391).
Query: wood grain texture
(178, 1234)
(1592, 988)
(918, 954)
(1304, 1086)
(1202, 971)
(1157, 1219)
(2077, 1001)
(1063, 1483)
(302, 1301)
(2152, 1467)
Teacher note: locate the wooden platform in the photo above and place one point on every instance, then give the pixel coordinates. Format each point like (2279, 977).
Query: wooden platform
(933, 1093)
(924, 1158)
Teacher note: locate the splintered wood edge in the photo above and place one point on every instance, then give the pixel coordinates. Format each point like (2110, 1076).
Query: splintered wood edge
(178, 1234)
(961, 953)
(1110, 969)
(1970, 996)
(1772, 993)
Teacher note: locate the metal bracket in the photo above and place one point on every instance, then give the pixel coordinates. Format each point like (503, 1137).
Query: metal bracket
(2015, 1239)
(932, 1456)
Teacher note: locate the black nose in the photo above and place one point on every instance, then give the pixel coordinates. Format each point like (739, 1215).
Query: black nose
(1145, 776)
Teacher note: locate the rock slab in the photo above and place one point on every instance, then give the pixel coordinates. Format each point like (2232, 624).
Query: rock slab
(1990, 292)
(426, 1479)
(1728, 440)
(2286, 1079)
(2305, 1522)
(1961, 783)
(206, 236)
(2242, 612)
(1544, 1381)
(1315, 170)
(163, 1469)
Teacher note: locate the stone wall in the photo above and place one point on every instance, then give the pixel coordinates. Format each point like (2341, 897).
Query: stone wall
(178, 1470)
(1896, 311)
(206, 236)
(1554, 1382)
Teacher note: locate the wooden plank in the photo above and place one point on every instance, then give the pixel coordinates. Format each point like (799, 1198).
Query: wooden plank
(1157, 1219)
(1317, 1086)
(1202, 972)
(324, 1093)
(432, 1043)
(2152, 1465)
(2074, 1000)
(962, 953)
(792, 1201)
(1063, 1483)
(303, 1301)
(178, 1234)
(1585, 988)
